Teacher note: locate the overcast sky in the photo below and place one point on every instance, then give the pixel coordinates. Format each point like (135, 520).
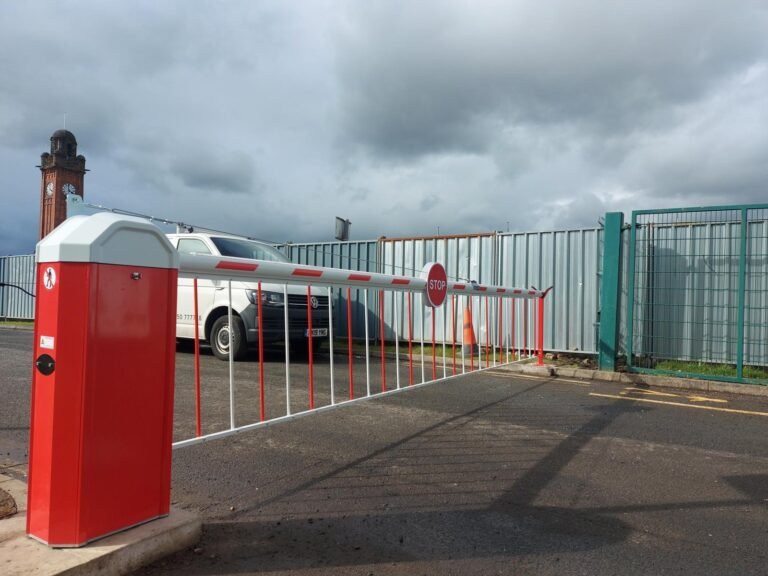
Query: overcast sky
(269, 118)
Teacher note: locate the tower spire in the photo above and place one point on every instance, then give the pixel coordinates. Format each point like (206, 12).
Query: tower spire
(63, 172)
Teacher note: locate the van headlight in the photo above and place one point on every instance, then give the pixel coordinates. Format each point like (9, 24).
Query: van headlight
(267, 298)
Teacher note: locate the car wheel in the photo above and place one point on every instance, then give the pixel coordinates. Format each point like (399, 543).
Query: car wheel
(222, 338)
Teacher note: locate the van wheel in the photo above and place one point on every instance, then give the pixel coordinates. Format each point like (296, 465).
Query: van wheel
(222, 338)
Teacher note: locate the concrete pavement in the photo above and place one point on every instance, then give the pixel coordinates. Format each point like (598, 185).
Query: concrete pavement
(115, 555)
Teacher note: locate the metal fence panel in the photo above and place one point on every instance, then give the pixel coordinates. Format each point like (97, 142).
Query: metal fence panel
(624, 291)
(468, 258)
(569, 260)
(756, 288)
(17, 272)
(358, 255)
(697, 291)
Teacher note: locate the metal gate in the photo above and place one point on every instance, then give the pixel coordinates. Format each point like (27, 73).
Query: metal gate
(698, 293)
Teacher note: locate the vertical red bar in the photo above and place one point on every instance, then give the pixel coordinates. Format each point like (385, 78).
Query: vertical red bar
(198, 408)
(434, 362)
(541, 331)
(410, 342)
(262, 408)
(453, 332)
(487, 333)
(381, 323)
(535, 327)
(309, 344)
(500, 312)
(349, 343)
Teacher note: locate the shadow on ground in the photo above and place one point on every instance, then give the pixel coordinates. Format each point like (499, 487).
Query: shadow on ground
(465, 487)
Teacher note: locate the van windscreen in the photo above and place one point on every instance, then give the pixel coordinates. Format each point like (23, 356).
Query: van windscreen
(240, 248)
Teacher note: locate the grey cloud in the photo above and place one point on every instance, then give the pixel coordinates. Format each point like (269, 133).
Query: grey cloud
(232, 173)
(269, 118)
(423, 80)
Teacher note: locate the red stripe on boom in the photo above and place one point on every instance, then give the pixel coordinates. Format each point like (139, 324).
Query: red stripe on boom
(401, 281)
(237, 266)
(501, 290)
(307, 272)
(482, 288)
(459, 286)
(359, 277)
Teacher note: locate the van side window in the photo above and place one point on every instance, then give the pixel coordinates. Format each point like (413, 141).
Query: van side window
(192, 246)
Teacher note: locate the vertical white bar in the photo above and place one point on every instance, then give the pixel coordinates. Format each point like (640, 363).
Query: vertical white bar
(529, 339)
(445, 334)
(421, 306)
(330, 341)
(531, 325)
(509, 330)
(367, 350)
(397, 339)
(287, 352)
(513, 327)
(231, 357)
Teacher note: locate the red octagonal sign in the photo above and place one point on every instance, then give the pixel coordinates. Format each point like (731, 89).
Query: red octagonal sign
(437, 283)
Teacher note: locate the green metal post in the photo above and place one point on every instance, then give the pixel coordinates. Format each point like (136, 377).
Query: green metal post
(631, 290)
(610, 291)
(742, 296)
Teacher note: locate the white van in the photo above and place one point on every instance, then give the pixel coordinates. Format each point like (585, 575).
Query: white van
(212, 296)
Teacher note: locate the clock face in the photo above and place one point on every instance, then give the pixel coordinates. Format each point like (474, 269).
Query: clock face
(68, 189)
(49, 189)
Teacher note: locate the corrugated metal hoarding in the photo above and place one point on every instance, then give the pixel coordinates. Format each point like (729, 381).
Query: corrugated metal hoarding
(17, 272)
(466, 258)
(361, 256)
(569, 260)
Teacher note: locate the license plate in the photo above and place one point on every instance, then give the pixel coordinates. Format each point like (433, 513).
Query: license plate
(316, 332)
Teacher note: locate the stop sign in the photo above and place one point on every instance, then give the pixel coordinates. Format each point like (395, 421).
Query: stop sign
(437, 283)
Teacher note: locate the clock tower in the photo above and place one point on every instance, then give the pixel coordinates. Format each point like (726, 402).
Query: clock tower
(63, 173)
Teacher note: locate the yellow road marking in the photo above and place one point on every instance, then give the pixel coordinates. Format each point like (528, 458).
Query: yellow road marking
(635, 390)
(705, 399)
(649, 392)
(667, 403)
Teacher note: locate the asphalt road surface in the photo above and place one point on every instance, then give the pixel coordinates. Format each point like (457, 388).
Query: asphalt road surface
(489, 473)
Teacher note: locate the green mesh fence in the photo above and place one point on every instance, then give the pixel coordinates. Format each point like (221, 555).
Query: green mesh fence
(698, 292)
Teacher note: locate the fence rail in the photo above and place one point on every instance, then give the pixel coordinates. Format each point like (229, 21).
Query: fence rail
(391, 357)
(697, 297)
(17, 286)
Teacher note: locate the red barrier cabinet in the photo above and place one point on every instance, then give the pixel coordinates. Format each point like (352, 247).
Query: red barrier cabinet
(102, 385)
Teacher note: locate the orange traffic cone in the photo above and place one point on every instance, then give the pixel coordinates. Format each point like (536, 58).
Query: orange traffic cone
(469, 345)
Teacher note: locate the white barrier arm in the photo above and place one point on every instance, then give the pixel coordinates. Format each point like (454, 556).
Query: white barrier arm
(221, 267)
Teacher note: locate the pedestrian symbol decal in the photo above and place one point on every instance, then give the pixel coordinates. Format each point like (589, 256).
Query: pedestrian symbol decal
(49, 279)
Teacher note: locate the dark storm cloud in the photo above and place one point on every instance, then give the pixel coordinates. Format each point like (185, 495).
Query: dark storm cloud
(428, 78)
